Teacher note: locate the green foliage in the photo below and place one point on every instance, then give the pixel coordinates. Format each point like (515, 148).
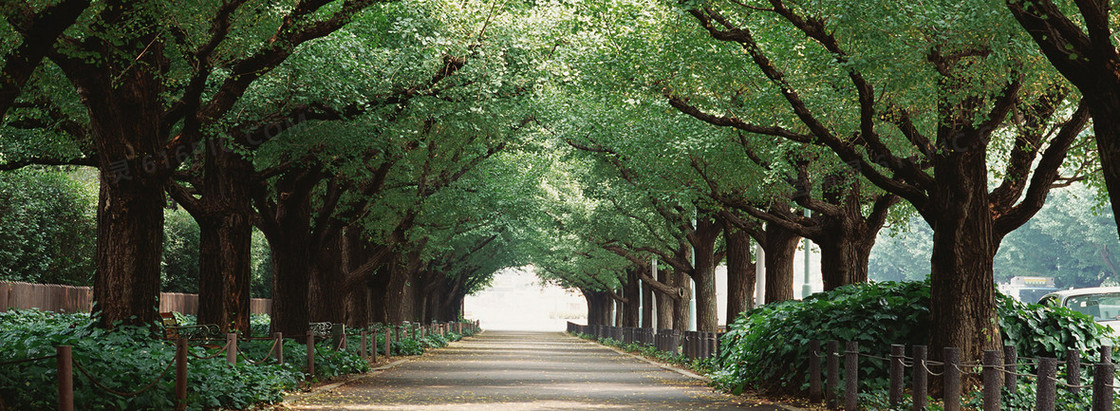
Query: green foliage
(1069, 239)
(124, 359)
(47, 228)
(875, 315)
(180, 253)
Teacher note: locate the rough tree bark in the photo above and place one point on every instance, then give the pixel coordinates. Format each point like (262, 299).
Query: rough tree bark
(781, 245)
(740, 273)
(287, 225)
(125, 118)
(704, 274)
(631, 290)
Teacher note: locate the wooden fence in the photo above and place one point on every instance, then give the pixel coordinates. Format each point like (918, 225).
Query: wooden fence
(65, 298)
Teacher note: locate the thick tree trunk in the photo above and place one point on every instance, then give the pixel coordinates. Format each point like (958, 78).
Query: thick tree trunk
(328, 278)
(847, 236)
(355, 293)
(398, 307)
(377, 287)
(224, 264)
(740, 273)
(962, 297)
(781, 245)
(599, 307)
(666, 304)
(125, 109)
(225, 238)
(402, 290)
(844, 259)
(129, 242)
(682, 308)
(291, 255)
(632, 292)
(704, 275)
(1104, 105)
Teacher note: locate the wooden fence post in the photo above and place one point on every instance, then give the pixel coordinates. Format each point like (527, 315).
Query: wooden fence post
(814, 371)
(1044, 400)
(181, 374)
(279, 337)
(921, 384)
(64, 355)
(898, 351)
(231, 349)
(851, 376)
(1106, 353)
(1073, 370)
(833, 381)
(310, 353)
(1103, 375)
(951, 379)
(362, 346)
(990, 375)
(388, 342)
(1011, 367)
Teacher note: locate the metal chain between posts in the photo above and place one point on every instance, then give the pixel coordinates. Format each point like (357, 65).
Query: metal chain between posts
(122, 393)
(27, 360)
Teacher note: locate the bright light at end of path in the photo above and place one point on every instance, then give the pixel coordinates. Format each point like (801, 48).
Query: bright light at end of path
(515, 300)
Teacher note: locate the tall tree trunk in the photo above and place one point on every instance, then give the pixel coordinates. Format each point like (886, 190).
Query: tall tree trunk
(740, 273)
(225, 227)
(844, 258)
(1104, 105)
(355, 292)
(327, 282)
(682, 308)
(377, 287)
(704, 274)
(848, 236)
(125, 120)
(398, 307)
(666, 304)
(291, 254)
(632, 292)
(962, 312)
(781, 245)
(129, 242)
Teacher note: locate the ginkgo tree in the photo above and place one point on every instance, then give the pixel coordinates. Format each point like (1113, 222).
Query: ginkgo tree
(916, 99)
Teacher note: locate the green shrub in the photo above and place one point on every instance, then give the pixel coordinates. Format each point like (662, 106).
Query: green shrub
(768, 348)
(128, 358)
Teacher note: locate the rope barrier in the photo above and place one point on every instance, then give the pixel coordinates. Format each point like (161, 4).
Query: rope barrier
(925, 365)
(875, 357)
(215, 355)
(27, 360)
(122, 393)
(271, 350)
(1068, 385)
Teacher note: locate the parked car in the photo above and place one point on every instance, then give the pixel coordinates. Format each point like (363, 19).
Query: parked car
(1101, 303)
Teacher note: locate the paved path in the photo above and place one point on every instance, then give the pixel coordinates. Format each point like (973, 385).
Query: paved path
(523, 371)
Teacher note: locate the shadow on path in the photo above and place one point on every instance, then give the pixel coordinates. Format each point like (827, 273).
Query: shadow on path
(510, 370)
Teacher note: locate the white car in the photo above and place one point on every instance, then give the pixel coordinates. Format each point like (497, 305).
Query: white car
(1101, 303)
